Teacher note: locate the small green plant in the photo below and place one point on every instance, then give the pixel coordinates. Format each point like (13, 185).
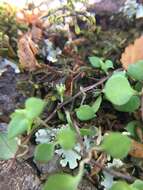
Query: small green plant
(66, 138)
(86, 112)
(22, 120)
(118, 91)
(104, 66)
(61, 90)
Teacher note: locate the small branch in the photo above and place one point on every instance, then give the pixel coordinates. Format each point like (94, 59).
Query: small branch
(79, 136)
(86, 89)
(142, 104)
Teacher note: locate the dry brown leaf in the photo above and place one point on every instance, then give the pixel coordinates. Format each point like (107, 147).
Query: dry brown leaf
(99, 162)
(137, 149)
(26, 51)
(132, 53)
(36, 34)
(28, 16)
(69, 85)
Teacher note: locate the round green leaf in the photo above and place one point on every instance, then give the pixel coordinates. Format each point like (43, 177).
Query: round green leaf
(18, 125)
(118, 90)
(61, 182)
(85, 112)
(95, 61)
(136, 70)
(116, 145)
(131, 106)
(66, 138)
(34, 107)
(8, 147)
(44, 152)
(121, 186)
(138, 184)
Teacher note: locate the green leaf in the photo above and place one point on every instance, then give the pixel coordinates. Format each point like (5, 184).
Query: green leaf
(77, 29)
(118, 90)
(121, 186)
(138, 184)
(131, 128)
(131, 106)
(107, 65)
(87, 132)
(18, 124)
(97, 104)
(138, 86)
(136, 70)
(44, 152)
(85, 112)
(62, 182)
(66, 138)
(34, 107)
(116, 145)
(8, 147)
(95, 61)
(68, 117)
(61, 115)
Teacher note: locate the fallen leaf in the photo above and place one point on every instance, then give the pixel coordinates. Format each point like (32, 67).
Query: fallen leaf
(36, 33)
(137, 149)
(26, 51)
(99, 162)
(132, 53)
(28, 16)
(69, 85)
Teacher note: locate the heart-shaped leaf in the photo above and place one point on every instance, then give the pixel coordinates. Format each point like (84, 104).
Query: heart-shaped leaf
(116, 145)
(8, 147)
(131, 106)
(118, 90)
(85, 112)
(138, 184)
(66, 138)
(34, 107)
(62, 182)
(107, 65)
(18, 124)
(44, 152)
(136, 70)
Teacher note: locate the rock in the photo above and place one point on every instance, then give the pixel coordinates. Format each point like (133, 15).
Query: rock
(86, 185)
(10, 97)
(52, 166)
(106, 6)
(20, 177)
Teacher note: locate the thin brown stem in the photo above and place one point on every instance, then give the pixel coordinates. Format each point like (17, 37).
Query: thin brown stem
(86, 89)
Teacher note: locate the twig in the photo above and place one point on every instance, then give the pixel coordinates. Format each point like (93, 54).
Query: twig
(86, 89)
(142, 104)
(92, 153)
(79, 136)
